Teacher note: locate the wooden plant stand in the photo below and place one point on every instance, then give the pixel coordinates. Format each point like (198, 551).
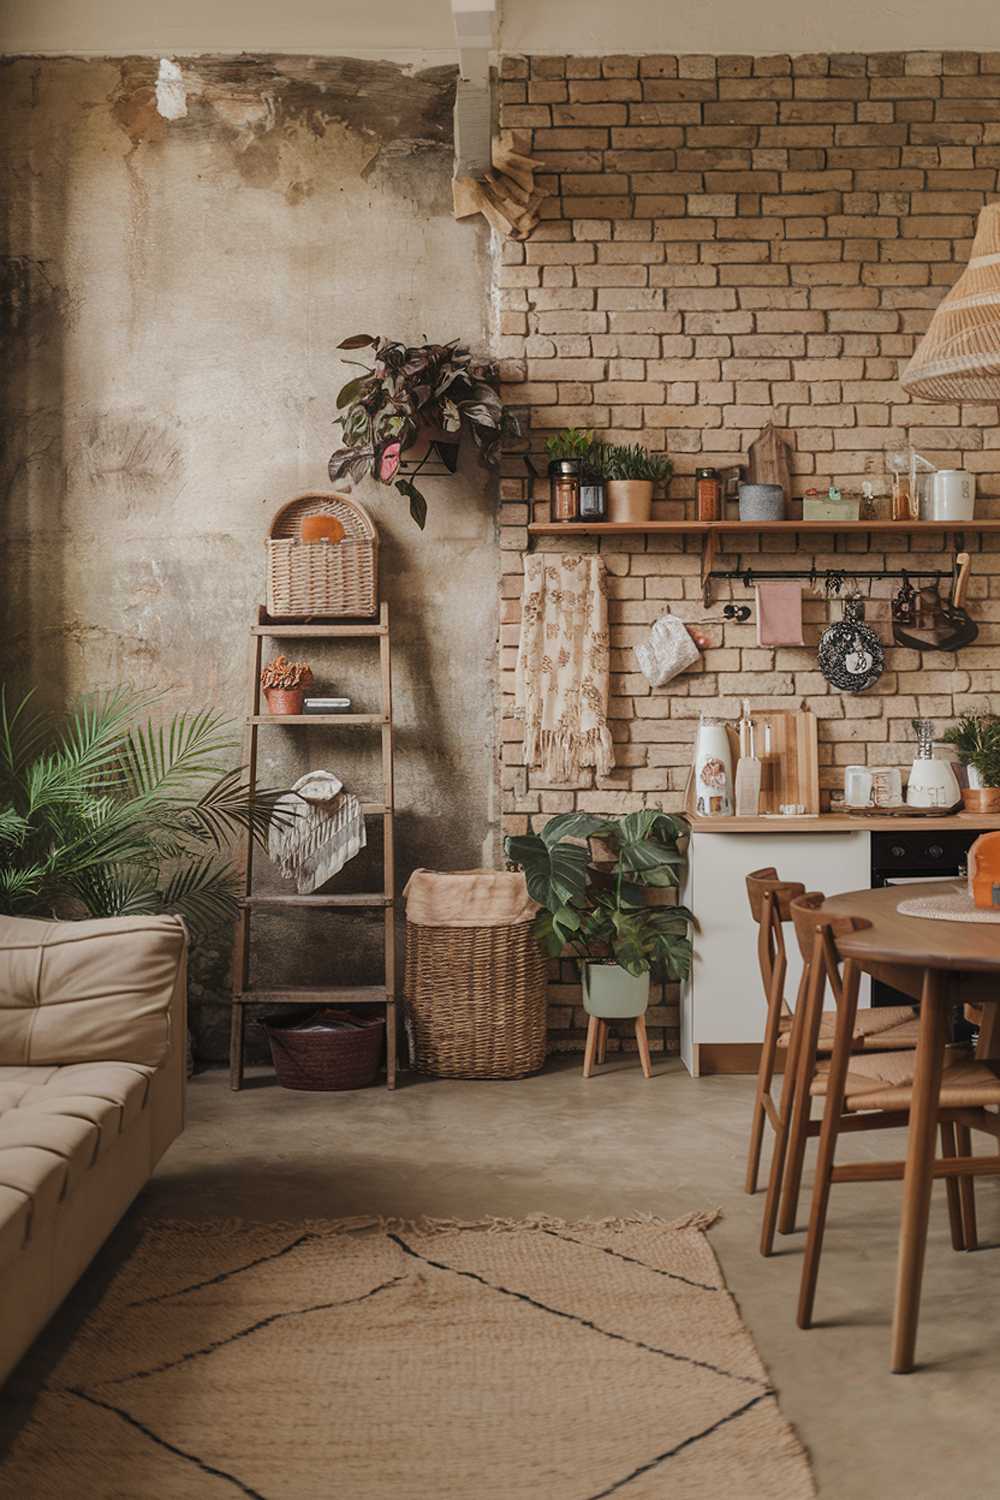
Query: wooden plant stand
(316, 995)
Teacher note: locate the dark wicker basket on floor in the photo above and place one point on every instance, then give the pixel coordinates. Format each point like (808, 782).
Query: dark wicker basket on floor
(476, 1000)
(326, 1060)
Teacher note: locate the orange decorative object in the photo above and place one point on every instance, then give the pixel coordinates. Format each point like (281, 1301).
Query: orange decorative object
(322, 529)
(984, 871)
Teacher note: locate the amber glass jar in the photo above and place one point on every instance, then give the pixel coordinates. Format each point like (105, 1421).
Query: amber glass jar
(564, 489)
(708, 494)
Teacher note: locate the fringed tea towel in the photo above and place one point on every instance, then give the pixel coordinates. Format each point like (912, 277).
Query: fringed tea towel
(561, 685)
(327, 830)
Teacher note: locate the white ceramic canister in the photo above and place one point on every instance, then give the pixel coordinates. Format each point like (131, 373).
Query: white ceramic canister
(713, 770)
(950, 495)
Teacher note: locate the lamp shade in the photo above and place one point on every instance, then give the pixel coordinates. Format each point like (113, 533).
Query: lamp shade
(958, 358)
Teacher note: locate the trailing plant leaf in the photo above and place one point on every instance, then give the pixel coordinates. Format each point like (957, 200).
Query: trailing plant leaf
(357, 341)
(418, 505)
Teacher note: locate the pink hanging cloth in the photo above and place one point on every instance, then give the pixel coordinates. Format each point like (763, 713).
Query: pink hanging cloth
(779, 614)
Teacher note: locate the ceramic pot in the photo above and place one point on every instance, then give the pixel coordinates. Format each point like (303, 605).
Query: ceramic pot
(981, 799)
(613, 994)
(762, 502)
(630, 500)
(284, 700)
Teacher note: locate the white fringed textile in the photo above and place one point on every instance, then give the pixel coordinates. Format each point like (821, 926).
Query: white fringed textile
(328, 830)
(561, 684)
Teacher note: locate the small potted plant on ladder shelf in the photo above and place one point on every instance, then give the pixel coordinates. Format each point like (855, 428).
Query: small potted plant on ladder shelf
(609, 916)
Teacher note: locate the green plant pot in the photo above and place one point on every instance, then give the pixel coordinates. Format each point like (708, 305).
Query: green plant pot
(612, 993)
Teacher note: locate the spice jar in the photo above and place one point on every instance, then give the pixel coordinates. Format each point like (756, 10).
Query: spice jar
(564, 489)
(708, 494)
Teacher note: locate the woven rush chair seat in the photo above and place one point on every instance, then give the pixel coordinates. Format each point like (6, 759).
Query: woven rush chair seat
(885, 1081)
(888, 1028)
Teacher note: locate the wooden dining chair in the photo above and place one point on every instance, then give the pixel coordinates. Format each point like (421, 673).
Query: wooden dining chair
(878, 1088)
(771, 902)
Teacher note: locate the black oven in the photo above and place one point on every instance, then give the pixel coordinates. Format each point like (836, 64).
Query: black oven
(910, 856)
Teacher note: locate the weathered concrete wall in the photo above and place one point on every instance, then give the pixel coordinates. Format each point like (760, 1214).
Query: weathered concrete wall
(173, 294)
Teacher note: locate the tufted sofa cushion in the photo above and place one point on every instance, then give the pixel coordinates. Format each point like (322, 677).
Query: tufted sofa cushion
(78, 992)
(55, 1124)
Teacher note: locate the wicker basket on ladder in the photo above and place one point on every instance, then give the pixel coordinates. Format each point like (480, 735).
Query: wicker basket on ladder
(322, 579)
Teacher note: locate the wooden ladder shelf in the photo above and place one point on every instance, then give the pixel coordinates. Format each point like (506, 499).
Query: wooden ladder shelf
(244, 993)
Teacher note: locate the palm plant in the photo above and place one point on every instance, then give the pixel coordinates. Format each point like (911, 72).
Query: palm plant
(108, 813)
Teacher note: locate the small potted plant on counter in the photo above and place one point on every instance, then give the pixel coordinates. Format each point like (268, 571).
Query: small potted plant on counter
(976, 738)
(630, 473)
(284, 684)
(604, 915)
(414, 402)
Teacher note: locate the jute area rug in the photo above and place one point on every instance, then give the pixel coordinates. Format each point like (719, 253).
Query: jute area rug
(413, 1361)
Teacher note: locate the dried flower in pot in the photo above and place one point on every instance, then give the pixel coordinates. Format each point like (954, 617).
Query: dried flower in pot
(284, 684)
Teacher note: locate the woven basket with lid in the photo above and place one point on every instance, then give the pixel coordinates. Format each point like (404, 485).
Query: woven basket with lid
(322, 579)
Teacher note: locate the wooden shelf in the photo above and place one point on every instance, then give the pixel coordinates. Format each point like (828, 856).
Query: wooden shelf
(620, 528)
(352, 899)
(750, 528)
(318, 719)
(317, 994)
(279, 632)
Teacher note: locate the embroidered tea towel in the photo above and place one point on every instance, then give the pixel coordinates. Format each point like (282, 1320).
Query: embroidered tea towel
(561, 682)
(779, 614)
(328, 829)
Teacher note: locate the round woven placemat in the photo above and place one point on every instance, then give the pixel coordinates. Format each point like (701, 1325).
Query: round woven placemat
(953, 906)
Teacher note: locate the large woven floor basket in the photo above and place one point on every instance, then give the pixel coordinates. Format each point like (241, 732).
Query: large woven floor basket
(474, 979)
(322, 579)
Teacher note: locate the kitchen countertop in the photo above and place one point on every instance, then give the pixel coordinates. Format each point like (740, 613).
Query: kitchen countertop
(842, 823)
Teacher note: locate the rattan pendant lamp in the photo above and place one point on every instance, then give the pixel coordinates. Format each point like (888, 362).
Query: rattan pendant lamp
(958, 358)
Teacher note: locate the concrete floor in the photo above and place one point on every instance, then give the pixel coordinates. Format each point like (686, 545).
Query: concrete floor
(620, 1145)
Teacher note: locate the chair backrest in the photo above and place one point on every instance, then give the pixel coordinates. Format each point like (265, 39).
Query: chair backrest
(816, 937)
(770, 906)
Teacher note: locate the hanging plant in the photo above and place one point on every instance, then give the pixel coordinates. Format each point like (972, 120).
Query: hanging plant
(430, 392)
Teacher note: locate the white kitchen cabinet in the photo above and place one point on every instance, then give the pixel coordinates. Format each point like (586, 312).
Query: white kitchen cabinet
(722, 1002)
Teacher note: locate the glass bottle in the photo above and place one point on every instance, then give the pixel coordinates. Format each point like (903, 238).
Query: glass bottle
(593, 497)
(564, 489)
(708, 494)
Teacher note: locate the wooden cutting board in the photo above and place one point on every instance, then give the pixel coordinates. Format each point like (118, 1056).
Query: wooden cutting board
(790, 772)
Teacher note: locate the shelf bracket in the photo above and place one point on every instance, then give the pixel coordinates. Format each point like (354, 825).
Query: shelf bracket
(708, 555)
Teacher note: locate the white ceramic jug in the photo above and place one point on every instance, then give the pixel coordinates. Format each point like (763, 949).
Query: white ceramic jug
(713, 770)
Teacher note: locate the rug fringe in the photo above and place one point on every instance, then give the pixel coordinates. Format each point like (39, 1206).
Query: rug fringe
(700, 1219)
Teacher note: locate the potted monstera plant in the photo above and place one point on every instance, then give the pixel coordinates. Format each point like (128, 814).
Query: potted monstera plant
(603, 913)
(410, 403)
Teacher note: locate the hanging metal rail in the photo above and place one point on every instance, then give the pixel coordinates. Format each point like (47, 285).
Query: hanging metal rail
(833, 578)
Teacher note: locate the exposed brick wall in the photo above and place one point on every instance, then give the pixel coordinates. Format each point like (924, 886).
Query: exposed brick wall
(732, 240)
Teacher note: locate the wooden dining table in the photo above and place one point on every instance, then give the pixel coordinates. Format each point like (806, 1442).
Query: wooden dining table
(939, 964)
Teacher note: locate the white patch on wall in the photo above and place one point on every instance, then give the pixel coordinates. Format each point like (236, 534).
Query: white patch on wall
(171, 95)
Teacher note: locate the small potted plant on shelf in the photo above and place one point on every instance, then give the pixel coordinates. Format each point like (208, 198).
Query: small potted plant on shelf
(570, 452)
(976, 738)
(283, 683)
(631, 472)
(411, 403)
(604, 915)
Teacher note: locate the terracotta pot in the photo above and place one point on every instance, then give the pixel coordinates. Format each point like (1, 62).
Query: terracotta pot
(982, 799)
(630, 500)
(284, 700)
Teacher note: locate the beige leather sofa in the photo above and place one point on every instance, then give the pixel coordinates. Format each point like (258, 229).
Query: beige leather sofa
(92, 1076)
